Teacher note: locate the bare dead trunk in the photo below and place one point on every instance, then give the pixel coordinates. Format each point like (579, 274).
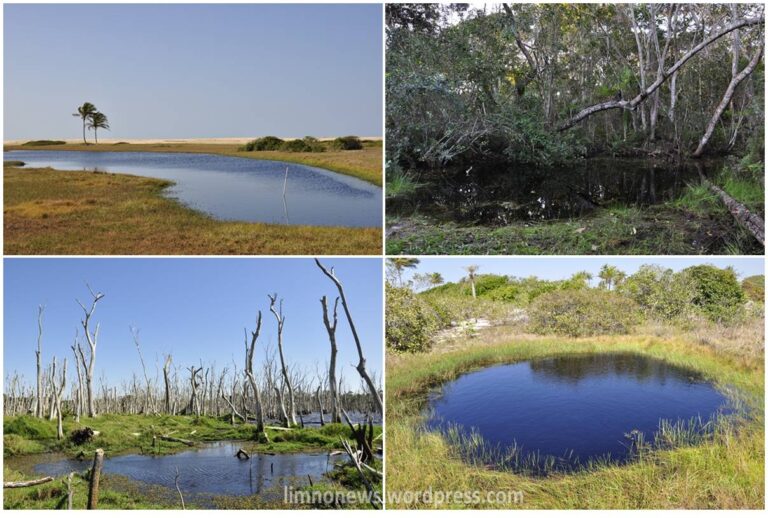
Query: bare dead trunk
(249, 374)
(278, 312)
(92, 343)
(331, 329)
(93, 487)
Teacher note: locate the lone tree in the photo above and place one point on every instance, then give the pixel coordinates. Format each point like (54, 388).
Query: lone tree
(85, 112)
(95, 121)
(471, 275)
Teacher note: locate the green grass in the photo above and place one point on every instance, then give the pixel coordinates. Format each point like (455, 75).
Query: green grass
(725, 471)
(365, 163)
(684, 228)
(66, 212)
(400, 183)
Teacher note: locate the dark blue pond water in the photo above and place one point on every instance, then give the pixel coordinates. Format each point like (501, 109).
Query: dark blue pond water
(240, 189)
(576, 408)
(206, 471)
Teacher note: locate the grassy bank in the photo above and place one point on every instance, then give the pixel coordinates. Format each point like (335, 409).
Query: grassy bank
(726, 472)
(365, 163)
(57, 212)
(673, 229)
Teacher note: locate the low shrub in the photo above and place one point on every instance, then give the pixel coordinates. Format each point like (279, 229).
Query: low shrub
(410, 322)
(754, 288)
(583, 313)
(305, 145)
(717, 292)
(44, 143)
(268, 143)
(347, 143)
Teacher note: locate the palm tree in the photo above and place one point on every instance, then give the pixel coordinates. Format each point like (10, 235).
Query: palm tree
(471, 274)
(400, 264)
(95, 121)
(610, 276)
(435, 279)
(84, 112)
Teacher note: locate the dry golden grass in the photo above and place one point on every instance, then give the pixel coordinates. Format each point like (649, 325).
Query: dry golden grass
(56, 212)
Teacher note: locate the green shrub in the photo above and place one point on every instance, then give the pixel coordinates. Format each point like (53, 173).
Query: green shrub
(268, 143)
(583, 313)
(717, 292)
(410, 321)
(44, 143)
(754, 288)
(661, 293)
(305, 145)
(29, 427)
(347, 143)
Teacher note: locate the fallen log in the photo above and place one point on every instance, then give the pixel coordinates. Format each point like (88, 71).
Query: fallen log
(278, 428)
(26, 483)
(176, 439)
(752, 222)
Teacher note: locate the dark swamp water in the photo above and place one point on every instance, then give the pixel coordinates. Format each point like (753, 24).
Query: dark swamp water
(499, 195)
(562, 413)
(203, 473)
(236, 189)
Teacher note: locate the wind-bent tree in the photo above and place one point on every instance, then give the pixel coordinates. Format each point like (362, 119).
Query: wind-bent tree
(361, 357)
(249, 350)
(471, 276)
(96, 121)
(85, 112)
(399, 264)
(280, 318)
(92, 339)
(331, 329)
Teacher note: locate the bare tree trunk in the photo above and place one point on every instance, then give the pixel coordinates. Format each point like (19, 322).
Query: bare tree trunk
(643, 95)
(79, 393)
(166, 380)
(93, 487)
(331, 329)
(58, 389)
(361, 357)
(148, 407)
(92, 343)
(278, 312)
(38, 355)
(249, 350)
(26, 483)
(735, 81)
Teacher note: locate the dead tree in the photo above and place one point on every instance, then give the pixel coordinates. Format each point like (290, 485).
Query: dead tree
(38, 355)
(331, 329)
(93, 487)
(249, 350)
(361, 357)
(194, 374)
(280, 318)
(166, 379)
(57, 387)
(644, 94)
(92, 343)
(26, 483)
(79, 392)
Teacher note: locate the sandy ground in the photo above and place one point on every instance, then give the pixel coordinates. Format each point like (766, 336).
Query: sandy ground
(222, 140)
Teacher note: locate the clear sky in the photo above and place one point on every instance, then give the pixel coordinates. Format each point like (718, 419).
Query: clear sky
(193, 308)
(555, 268)
(184, 71)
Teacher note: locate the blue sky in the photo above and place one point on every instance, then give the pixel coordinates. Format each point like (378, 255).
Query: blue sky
(554, 268)
(192, 308)
(164, 71)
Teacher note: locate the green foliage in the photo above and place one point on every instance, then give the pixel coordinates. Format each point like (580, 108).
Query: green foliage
(661, 293)
(410, 321)
(754, 288)
(17, 445)
(348, 143)
(268, 143)
(583, 313)
(29, 427)
(717, 292)
(305, 145)
(44, 143)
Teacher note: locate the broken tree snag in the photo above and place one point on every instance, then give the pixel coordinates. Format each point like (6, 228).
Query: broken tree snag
(361, 357)
(26, 483)
(753, 223)
(242, 454)
(176, 439)
(735, 81)
(642, 96)
(93, 486)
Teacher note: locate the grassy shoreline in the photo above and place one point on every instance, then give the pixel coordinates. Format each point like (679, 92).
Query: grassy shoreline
(724, 473)
(72, 212)
(365, 164)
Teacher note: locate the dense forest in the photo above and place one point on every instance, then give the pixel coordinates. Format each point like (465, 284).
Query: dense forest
(535, 87)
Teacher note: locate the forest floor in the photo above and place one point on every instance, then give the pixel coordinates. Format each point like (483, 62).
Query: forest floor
(724, 472)
(669, 229)
(120, 434)
(65, 212)
(365, 163)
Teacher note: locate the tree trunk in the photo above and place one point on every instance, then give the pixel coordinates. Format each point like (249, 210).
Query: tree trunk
(278, 312)
(38, 355)
(249, 374)
(753, 223)
(331, 329)
(93, 487)
(26, 483)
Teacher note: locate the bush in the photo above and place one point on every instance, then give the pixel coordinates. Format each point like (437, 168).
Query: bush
(269, 143)
(661, 293)
(305, 145)
(717, 292)
(347, 143)
(410, 321)
(583, 313)
(754, 288)
(44, 143)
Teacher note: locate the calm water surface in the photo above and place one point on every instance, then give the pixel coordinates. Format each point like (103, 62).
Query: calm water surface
(575, 408)
(232, 188)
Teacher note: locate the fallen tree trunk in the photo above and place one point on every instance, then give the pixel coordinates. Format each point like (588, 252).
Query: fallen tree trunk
(176, 439)
(752, 222)
(26, 483)
(642, 96)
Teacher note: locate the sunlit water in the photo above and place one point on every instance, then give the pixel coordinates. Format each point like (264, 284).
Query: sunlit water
(236, 189)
